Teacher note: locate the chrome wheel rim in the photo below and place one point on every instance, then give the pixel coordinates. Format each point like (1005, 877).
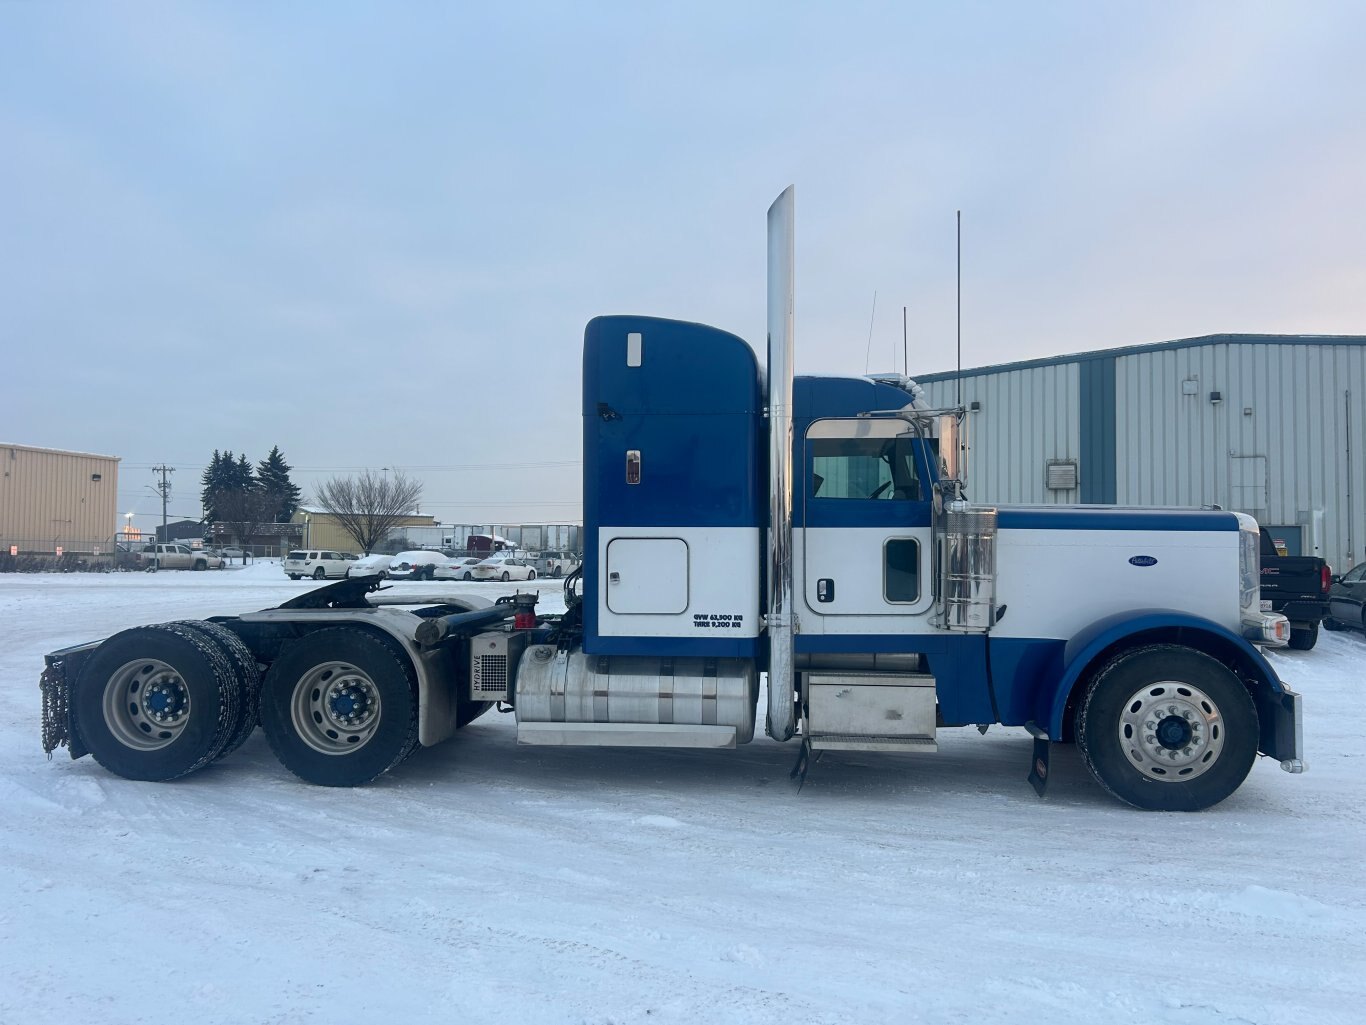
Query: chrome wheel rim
(335, 708)
(1171, 732)
(146, 704)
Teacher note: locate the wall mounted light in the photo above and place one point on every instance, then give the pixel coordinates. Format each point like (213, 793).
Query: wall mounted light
(1215, 396)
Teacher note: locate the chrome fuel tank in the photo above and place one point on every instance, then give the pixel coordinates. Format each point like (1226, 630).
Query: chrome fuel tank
(559, 686)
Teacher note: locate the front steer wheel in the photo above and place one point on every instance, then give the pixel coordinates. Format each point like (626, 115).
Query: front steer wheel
(1167, 728)
(158, 702)
(339, 707)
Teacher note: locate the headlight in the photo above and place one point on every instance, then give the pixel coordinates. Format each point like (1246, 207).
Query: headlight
(1249, 569)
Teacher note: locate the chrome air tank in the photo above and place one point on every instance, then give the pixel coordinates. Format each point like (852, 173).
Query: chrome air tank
(561, 686)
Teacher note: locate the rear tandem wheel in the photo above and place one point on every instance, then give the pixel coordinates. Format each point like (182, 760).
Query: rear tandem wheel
(339, 707)
(158, 702)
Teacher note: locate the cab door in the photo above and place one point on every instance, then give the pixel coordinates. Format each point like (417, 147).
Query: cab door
(866, 526)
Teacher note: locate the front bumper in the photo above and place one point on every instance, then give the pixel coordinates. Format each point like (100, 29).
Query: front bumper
(1269, 629)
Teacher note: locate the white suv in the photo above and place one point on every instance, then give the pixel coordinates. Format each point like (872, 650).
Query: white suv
(318, 565)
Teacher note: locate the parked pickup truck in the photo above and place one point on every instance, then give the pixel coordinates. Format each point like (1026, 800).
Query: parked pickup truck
(1297, 587)
(177, 556)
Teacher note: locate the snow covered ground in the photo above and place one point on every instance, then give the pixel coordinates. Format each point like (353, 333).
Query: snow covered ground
(482, 882)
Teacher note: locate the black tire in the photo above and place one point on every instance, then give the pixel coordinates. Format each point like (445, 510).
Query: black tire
(320, 574)
(294, 576)
(557, 572)
(200, 564)
(1208, 710)
(330, 671)
(506, 577)
(431, 572)
(1332, 624)
(532, 575)
(155, 703)
(467, 576)
(1304, 638)
(248, 673)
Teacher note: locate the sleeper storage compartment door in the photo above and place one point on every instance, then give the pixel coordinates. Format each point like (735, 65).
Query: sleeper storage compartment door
(647, 576)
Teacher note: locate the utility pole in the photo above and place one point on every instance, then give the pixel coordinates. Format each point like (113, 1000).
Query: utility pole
(165, 489)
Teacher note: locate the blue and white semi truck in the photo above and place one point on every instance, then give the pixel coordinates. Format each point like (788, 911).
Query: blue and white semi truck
(741, 524)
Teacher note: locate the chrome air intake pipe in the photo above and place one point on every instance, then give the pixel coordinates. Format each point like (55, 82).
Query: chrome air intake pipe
(779, 620)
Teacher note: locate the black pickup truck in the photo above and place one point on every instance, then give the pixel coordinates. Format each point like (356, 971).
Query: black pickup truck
(1297, 587)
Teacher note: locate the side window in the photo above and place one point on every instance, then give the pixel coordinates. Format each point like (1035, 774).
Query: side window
(861, 468)
(901, 570)
(1355, 576)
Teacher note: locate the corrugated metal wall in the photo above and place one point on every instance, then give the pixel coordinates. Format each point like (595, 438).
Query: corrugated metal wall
(1286, 441)
(1276, 444)
(50, 498)
(1027, 417)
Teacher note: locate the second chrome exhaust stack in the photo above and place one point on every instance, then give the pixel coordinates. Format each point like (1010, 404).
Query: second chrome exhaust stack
(780, 620)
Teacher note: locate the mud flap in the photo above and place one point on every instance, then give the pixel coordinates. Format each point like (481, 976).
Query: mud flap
(1038, 769)
(59, 713)
(803, 763)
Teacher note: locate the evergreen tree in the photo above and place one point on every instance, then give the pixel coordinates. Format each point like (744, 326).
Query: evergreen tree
(216, 480)
(272, 474)
(242, 477)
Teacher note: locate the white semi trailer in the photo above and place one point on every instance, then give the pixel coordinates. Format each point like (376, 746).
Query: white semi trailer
(738, 523)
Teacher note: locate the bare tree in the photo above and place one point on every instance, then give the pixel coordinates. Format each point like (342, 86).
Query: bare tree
(368, 507)
(242, 511)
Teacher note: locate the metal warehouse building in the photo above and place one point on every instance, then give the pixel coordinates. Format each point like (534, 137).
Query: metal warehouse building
(51, 499)
(1270, 425)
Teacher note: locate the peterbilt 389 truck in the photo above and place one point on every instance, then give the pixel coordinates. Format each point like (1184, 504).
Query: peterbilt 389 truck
(740, 523)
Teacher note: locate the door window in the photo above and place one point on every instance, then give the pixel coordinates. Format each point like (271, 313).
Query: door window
(862, 468)
(901, 570)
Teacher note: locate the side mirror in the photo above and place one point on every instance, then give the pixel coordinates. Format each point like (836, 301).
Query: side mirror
(1336, 578)
(952, 465)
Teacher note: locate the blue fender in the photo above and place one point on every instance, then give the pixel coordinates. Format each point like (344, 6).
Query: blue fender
(1154, 626)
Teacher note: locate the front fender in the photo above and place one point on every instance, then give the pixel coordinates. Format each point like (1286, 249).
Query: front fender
(1277, 705)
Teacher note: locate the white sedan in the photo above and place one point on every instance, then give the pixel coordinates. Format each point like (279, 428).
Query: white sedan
(416, 565)
(502, 567)
(459, 568)
(370, 565)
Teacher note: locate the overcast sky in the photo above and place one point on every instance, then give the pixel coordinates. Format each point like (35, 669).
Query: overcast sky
(371, 234)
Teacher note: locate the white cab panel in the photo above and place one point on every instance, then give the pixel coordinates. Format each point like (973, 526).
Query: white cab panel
(678, 582)
(857, 561)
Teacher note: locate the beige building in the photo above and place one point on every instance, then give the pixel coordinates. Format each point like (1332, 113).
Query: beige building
(51, 499)
(321, 529)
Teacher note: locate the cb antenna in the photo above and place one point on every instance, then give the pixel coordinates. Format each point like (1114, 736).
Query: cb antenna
(905, 362)
(959, 400)
(868, 353)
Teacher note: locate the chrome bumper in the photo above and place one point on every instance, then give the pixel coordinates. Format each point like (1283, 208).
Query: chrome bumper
(1269, 629)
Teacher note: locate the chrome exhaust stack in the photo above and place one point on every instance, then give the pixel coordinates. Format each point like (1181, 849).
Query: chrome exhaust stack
(779, 619)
